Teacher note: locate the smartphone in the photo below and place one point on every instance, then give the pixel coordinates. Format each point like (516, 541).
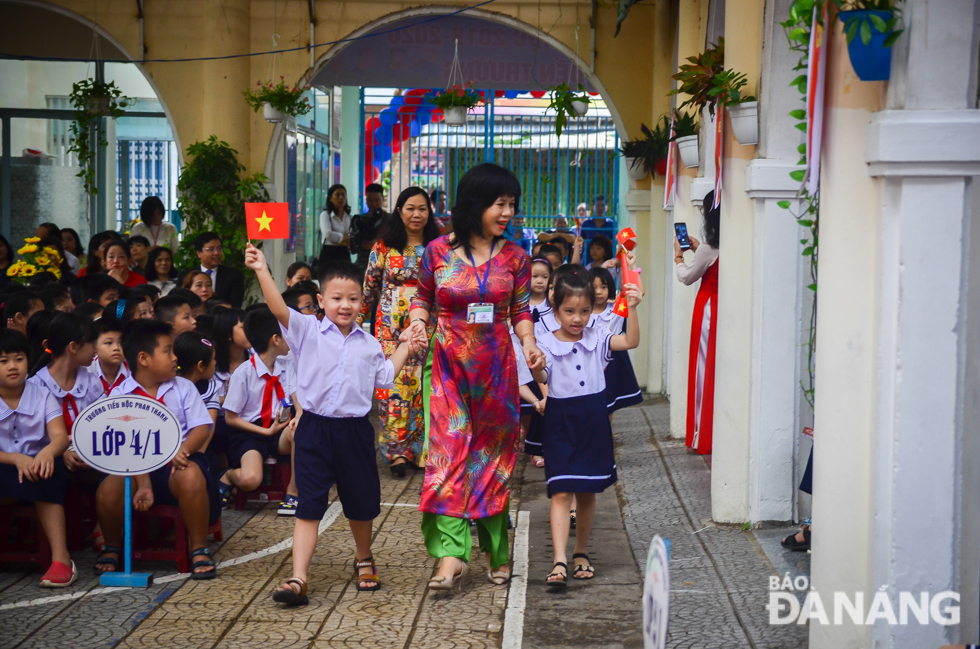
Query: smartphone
(680, 229)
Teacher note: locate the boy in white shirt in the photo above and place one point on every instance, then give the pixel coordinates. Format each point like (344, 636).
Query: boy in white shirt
(187, 481)
(109, 364)
(260, 395)
(340, 369)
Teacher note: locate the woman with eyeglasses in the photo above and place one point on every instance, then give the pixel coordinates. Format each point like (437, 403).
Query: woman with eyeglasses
(391, 280)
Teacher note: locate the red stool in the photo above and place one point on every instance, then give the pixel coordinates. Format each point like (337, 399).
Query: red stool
(79, 518)
(29, 545)
(177, 550)
(278, 480)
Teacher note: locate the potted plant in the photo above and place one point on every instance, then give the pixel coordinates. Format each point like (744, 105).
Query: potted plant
(278, 100)
(874, 22)
(92, 100)
(455, 103)
(697, 77)
(727, 91)
(686, 137)
(566, 102)
(643, 155)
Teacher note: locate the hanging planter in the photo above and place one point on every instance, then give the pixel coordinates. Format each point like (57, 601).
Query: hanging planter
(93, 100)
(580, 107)
(686, 137)
(278, 100)
(645, 153)
(745, 121)
(636, 168)
(870, 35)
(456, 100)
(567, 103)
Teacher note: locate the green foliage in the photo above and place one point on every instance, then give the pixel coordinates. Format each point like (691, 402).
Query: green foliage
(212, 196)
(561, 102)
(684, 124)
(462, 96)
(292, 101)
(697, 77)
(726, 88)
(652, 147)
(863, 24)
(92, 100)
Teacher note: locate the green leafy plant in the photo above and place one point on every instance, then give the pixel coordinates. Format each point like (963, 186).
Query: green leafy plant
(456, 96)
(561, 102)
(211, 197)
(292, 101)
(697, 77)
(651, 148)
(726, 88)
(92, 100)
(685, 124)
(863, 25)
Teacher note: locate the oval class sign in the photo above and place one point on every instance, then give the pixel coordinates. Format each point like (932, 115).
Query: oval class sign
(126, 435)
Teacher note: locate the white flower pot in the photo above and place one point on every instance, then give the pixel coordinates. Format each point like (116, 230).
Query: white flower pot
(580, 106)
(454, 115)
(273, 115)
(745, 121)
(687, 146)
(635, 169)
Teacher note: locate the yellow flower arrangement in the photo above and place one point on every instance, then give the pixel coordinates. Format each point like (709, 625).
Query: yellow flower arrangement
(34, 261)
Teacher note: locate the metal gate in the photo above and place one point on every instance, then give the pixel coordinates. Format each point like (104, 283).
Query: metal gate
(404, 147)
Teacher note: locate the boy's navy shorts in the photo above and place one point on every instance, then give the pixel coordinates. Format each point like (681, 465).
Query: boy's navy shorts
(336, 450)
(160, 480)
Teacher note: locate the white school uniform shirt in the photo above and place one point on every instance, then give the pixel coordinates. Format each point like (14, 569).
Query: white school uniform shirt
(523, 371)
(247, 387)
(576, 369)
(87, 389)
(546, 319)
(96, 369)
(24, 429)
(608, 320)
(338, 375)
(181, 398)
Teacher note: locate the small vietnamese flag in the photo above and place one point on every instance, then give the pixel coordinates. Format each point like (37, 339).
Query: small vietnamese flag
(627, 238)
(621, 308)
(267, 220)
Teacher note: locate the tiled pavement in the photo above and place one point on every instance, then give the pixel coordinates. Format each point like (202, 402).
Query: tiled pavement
(719, 576)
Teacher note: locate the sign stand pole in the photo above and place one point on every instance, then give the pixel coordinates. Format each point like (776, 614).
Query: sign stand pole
(128, 578)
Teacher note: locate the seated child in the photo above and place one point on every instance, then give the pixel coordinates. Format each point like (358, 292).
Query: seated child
(186, 482)
(32, 440)
(175, 310)
(99, 288)
(257, 410)
(342, 365)
(109, 365)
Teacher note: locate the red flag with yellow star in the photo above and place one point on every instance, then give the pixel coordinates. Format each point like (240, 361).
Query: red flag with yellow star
(621, 307)
(267, 220)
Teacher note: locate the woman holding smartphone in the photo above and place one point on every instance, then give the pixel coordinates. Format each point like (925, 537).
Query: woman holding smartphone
(704, 328)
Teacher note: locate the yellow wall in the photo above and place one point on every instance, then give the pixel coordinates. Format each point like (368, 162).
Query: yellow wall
(205, 98)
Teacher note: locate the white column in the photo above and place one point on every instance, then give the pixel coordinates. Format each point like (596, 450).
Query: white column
(927, 158)
(350, 143)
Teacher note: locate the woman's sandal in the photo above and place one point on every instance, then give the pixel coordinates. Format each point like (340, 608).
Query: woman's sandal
(286, 594)
(498, 577)
(440, 582)
(562, 581)
(208, 562)
(791, 543)
(108, 561)
(373, 577)
(579, 568)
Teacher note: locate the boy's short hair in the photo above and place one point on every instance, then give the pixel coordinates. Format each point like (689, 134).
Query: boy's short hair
(19, 302)
(549, 249)
(203, 239)
(338, 270)
(192, 299)
(216, 303)
(52, 294)
(138, 239)
(14, 342)
(292, 296)
(92, 287)
(90, 310)
(110, 325)
(260, 326)
(309, 286)
(166, 307)
(142, 336)
(144, 291)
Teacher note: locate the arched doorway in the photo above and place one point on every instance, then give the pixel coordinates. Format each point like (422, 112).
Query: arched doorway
(51, 48)
(411, 50)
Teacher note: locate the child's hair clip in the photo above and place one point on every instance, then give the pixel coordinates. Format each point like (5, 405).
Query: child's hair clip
(120, 308)
(206, 342)
(48, 351)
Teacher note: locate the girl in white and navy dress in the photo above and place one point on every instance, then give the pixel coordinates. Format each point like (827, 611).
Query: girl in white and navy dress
(622, 390)
(577, 441)
(543, 318)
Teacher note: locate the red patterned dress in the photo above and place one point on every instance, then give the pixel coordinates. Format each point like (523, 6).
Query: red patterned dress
(474, 404)
(391, 280)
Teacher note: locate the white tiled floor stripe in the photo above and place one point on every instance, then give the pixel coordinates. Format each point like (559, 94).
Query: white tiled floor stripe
(514, 616)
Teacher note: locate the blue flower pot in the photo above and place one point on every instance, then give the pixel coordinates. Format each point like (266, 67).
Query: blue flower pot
(871, 62)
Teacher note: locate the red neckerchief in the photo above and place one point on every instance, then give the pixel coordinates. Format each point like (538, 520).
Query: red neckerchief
(271, 383)
(143, 393)
(119, 379)
(69, 410)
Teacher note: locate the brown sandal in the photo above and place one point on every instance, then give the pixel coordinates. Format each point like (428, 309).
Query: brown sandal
(367, 563)
(286, 594)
